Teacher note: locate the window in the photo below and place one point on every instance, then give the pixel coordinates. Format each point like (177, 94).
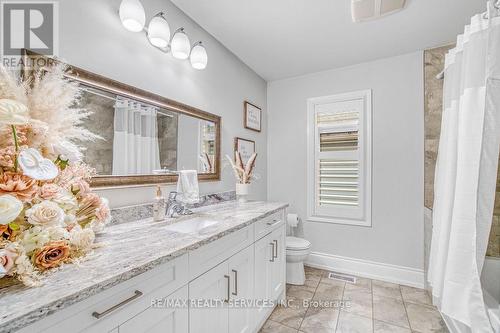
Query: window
(339, 158)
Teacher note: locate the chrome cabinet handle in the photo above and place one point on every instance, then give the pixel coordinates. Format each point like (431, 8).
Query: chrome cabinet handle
(272, 253)
(228, 288)
(273, 223)
(275, 248)
(98, 315)
(235, 293)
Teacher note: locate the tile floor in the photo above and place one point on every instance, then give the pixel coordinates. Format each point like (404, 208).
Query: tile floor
(369, 306)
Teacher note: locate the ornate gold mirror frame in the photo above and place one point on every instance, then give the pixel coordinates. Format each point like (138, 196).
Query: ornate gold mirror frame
(103, 83)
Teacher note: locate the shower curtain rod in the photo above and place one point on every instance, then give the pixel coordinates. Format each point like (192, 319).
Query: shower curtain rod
(92, 91)
(496, 4)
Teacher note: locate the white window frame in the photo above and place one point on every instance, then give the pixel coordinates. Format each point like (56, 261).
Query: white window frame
(362, 215)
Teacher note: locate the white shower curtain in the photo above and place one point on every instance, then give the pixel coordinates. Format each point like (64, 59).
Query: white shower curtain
(135, 143)
(466, 172)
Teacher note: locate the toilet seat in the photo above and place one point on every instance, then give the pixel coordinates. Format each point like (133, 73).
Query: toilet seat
(297, 244)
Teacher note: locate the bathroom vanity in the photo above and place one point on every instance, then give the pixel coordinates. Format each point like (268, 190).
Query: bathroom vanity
(199, 273)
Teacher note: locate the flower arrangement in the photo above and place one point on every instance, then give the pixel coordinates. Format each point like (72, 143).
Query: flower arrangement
(243, 172)
(48, 213)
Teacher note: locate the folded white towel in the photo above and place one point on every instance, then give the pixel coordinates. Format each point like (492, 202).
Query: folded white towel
(187, 187)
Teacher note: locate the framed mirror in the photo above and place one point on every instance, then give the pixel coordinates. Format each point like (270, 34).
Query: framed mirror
(146, 138)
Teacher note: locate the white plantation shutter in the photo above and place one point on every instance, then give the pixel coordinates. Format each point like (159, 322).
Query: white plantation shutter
(339, 158)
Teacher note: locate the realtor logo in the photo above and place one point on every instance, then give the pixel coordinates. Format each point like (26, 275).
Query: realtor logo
(29, 24)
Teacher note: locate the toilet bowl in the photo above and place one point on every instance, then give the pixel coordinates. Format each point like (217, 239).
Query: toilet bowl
(297, 250)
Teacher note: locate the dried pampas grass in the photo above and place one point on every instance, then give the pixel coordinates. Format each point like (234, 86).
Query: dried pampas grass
(55, 118)
(243, 172)
(52, 103)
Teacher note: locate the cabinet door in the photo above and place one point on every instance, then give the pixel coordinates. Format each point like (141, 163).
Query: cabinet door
(213, 285)
(241, 268)
(171, 318)
(262, 275)
(277, 282)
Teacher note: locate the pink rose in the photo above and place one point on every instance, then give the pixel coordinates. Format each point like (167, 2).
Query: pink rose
(102, 213)
(6, 261)
(80, 186)
(49, 191)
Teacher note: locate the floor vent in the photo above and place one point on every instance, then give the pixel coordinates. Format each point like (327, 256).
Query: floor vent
(342, 277)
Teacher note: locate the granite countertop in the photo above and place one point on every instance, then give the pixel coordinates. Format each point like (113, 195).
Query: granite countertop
(128, 249)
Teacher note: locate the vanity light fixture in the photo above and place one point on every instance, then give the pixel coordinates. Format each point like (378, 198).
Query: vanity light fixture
(132, 15)
(180, 44)
(198, 57)
(158, 31)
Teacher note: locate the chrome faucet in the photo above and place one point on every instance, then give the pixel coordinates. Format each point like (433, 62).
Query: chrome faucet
(176, 207)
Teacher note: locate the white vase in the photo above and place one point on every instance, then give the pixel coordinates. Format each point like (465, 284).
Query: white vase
(242, 191)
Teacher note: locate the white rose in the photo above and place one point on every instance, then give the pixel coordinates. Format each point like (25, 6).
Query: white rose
(68, 150)
(67, 201)
(46, 213)
(13, 112)
(34, 238)
(10, 208)
(70, 219)
(82, 238)
(57, 233)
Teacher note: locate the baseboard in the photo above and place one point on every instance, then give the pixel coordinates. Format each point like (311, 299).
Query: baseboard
(369, 269)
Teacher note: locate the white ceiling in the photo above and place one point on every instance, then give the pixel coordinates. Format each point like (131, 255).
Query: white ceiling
(284, 38)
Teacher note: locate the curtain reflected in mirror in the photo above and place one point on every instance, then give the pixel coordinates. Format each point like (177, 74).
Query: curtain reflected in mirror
(141, 139)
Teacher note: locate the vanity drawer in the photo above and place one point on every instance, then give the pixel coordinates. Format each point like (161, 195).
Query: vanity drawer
(208, 256)
(125, 300)
(269, 223)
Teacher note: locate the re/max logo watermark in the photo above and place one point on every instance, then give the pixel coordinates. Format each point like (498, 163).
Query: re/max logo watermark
(32, 25)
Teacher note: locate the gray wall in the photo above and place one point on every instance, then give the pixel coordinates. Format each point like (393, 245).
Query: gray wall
(92, 37)
(396, 235)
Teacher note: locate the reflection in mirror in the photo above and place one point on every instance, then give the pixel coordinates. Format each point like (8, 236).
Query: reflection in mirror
(142, 139)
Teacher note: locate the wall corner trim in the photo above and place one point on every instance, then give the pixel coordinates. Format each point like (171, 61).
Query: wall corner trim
(370, 269)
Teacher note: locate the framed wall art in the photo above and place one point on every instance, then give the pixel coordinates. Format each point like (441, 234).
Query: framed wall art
(245, 147)
(252, 117)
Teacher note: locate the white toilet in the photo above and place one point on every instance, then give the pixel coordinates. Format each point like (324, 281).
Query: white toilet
(297, 250)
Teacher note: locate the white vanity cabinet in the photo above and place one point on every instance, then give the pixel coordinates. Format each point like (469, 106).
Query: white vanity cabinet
(213, 285)
(241, 272)
(278, 265)
(123, 307)
(160, 320)
(211, 289)
(269, 270)
(228, 283)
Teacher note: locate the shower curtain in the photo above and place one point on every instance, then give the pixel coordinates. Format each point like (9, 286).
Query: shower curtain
(466, 171)
(135, 142)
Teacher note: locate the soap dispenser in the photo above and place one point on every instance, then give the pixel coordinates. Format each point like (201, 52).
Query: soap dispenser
(159, 206)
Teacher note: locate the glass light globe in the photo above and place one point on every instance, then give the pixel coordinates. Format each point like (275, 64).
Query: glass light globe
(159, 31)
(132, 15)
(180, 45)
(198, 57)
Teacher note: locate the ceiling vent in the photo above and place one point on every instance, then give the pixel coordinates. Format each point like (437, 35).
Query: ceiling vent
(365, 10)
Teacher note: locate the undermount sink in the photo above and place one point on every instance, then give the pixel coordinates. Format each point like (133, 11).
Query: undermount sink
(192, 225)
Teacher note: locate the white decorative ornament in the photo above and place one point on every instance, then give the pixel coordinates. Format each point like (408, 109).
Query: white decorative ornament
(36, 166)
(13, 112)
(10, 208)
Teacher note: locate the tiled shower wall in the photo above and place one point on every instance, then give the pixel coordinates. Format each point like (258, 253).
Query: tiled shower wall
(434, 64)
